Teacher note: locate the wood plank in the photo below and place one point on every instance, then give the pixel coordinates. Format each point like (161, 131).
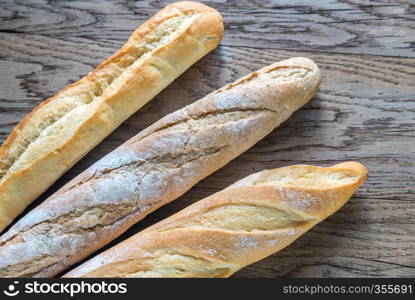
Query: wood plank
(363, 111)
(380, 27)
(361, 240)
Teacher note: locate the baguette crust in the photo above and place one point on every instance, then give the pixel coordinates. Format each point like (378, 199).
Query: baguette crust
(248, 221)
(62, 129)
(153, 168)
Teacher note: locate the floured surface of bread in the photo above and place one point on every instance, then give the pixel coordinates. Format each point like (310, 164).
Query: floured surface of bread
(251, 219)
(153, 168)
(61, 130)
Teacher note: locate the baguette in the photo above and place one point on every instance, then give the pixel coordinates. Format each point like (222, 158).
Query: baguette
(61, 130)
(246, 222)
(153, 168)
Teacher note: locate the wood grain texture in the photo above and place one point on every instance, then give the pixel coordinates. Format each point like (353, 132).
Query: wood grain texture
(380, 27)
(364, 110)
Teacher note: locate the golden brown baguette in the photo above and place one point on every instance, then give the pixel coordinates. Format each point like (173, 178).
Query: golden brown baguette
(251, 219)
(61, 130)
(153, 168)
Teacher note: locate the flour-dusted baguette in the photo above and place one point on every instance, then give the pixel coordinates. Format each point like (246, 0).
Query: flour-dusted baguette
(153, 168)
(251, 219)
(61, 130)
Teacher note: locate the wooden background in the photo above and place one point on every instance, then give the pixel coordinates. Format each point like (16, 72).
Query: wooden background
(364, 110)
